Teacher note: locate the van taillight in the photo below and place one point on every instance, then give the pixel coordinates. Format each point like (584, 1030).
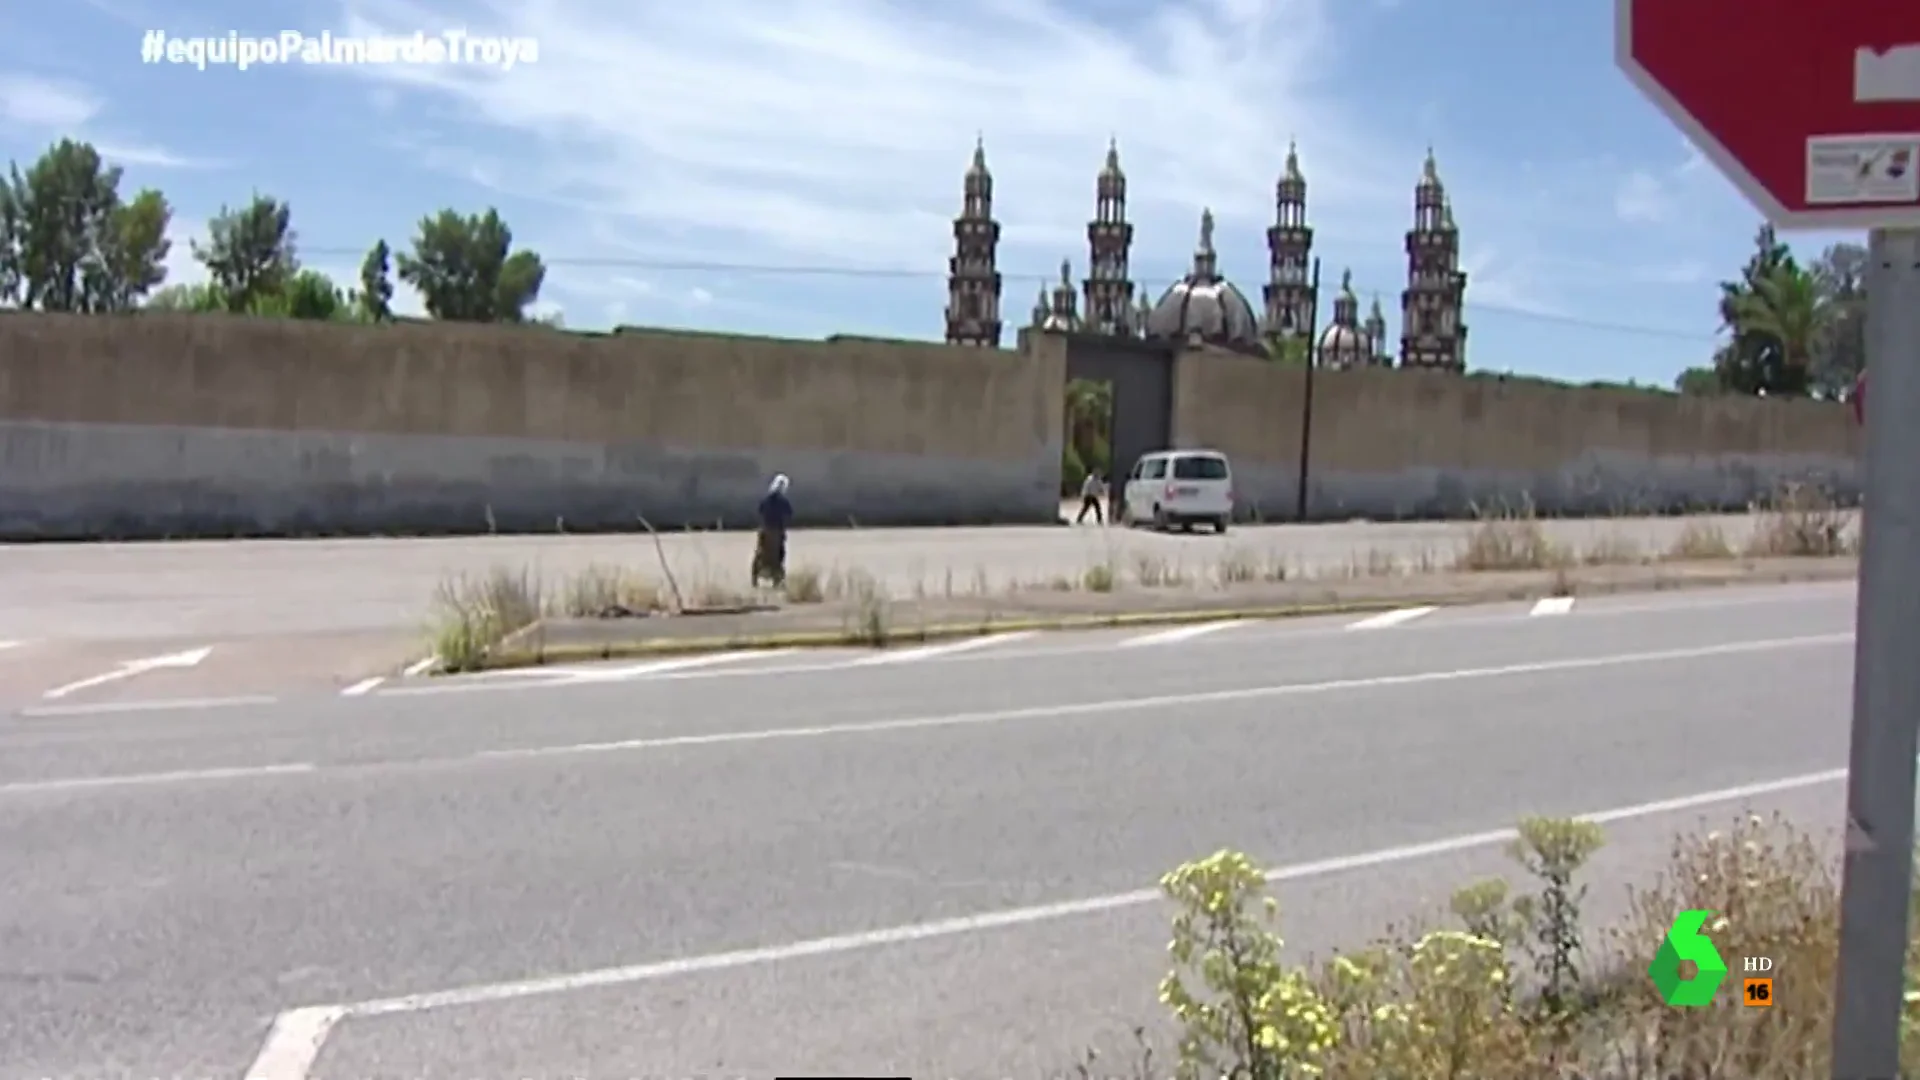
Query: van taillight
(1168, 493)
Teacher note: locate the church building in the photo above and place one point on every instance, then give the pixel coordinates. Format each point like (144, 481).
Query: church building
(1204, 307)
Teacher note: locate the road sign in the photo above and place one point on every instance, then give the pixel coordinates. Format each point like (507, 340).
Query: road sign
(1812, 110)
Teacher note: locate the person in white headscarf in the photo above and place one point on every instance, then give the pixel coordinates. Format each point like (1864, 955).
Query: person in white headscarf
(776, 514)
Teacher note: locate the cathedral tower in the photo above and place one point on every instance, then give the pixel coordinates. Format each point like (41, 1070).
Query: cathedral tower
(973, 280)
(1109, 290)
(1432, 332)
(1289, 294)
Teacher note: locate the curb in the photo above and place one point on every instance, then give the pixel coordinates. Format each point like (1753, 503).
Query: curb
(541, 656)
(919, 635)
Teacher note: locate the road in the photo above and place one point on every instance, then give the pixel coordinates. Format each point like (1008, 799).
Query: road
(313, 614)
(931, 862)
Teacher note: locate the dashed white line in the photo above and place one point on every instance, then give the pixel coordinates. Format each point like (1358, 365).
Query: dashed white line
(897, 656)
(294, 1043)
(420, 667)
(1391, 618)
(1162, 701)
(364, 686)
(89, 783)
(157, 705)
(1552, 605)
(1181, 633)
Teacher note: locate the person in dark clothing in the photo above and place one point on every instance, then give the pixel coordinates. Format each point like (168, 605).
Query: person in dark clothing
(770, 554)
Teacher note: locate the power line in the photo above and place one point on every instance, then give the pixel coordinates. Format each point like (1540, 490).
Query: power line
(880, 273)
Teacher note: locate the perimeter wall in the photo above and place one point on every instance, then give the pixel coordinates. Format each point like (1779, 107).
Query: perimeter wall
(174, 426)
(1389, 444)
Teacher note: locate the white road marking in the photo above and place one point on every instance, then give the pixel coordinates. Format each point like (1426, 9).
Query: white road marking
(1391, 618)
(89, 783)
(1552, 605)
(129, 668)
(159, 705)
(292, 1046)
(661, 667)
(363, 686)
(1181, 633)
(1282, 629)
(420, 667)
(924, 652)
(1141, 704)
(5, 645)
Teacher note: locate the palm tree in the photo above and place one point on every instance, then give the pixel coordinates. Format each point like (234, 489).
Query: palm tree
(1787, 305)
(1089, 415)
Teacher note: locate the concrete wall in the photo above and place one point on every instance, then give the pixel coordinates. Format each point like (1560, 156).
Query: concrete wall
(155, 426)
(1408, 444)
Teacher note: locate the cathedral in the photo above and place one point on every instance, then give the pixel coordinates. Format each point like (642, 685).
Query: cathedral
(1204, 307)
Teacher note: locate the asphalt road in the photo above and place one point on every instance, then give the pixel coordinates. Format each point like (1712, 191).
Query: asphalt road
(261, 617)
(924, 863)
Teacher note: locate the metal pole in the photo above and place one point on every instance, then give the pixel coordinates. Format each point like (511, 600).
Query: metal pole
(1306, 405)
(1878, 877)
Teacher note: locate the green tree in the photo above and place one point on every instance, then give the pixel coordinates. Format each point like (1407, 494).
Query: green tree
(68, 242)
(466, 271)
(1291, 349)
(1786, 307)
(1089, 419)
(250, 253)
(201, 298)
(1699, 382)
(1754, 360)
(376, 284)
(308, 294)
(1840, 350)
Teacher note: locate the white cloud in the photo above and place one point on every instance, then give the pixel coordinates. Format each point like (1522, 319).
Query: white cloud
(67, 109)
(836, 132)
(1642, 199)
(182, 267)
(45, 103)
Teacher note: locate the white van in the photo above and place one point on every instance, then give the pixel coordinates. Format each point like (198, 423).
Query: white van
(1180, 488)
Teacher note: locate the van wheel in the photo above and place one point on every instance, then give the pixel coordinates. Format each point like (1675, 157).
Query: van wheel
(1220, 526)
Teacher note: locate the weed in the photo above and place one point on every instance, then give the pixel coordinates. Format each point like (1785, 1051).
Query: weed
(1801, 521)
(1700, 541)
(805, 585)
(1100, 578)
(472, 615)
(1504, 542)
(1237, 567)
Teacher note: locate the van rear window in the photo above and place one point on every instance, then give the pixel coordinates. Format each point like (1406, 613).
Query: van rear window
(1199, 468)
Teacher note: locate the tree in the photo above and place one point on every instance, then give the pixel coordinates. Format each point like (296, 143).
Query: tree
(200, 298)
(1785, 306)
(308, 294)
(250, 252)
(376, 284)
(68, 242)
(1754, 360)
(1293, 349)
(1840, 351)
(1699, 382)
(1089, 432)
(465, 270)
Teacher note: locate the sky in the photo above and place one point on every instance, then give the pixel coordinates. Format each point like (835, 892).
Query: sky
(791, 167)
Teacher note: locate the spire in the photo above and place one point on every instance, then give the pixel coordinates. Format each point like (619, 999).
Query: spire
(1346, 284)
(1430, 170)
(1112, 167)
(1205, 259)
(1040, 308)
(1293, 163)
(1375, 315)
(1446, 214)
(979, 167)
(1066, 275)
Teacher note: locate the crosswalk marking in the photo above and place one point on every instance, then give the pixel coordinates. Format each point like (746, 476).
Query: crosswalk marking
(1553, 605)
(895, 656)
(1391, 618)
(1181, 633)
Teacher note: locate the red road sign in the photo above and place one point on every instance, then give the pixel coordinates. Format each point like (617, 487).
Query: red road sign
(1811, 109)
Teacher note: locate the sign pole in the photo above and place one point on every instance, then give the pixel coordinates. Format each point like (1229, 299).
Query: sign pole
(1878, 878)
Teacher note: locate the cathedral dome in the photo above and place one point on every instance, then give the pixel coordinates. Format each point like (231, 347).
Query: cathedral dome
(1204, 305)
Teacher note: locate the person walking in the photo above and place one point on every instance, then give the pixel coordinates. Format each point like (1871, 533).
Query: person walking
(770, 552)
(1092, 491)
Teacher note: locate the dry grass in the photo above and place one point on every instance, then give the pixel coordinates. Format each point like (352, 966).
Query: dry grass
(470, 616)
(1520, 988)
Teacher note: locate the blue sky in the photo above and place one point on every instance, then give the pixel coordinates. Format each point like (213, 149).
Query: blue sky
(656, 151)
